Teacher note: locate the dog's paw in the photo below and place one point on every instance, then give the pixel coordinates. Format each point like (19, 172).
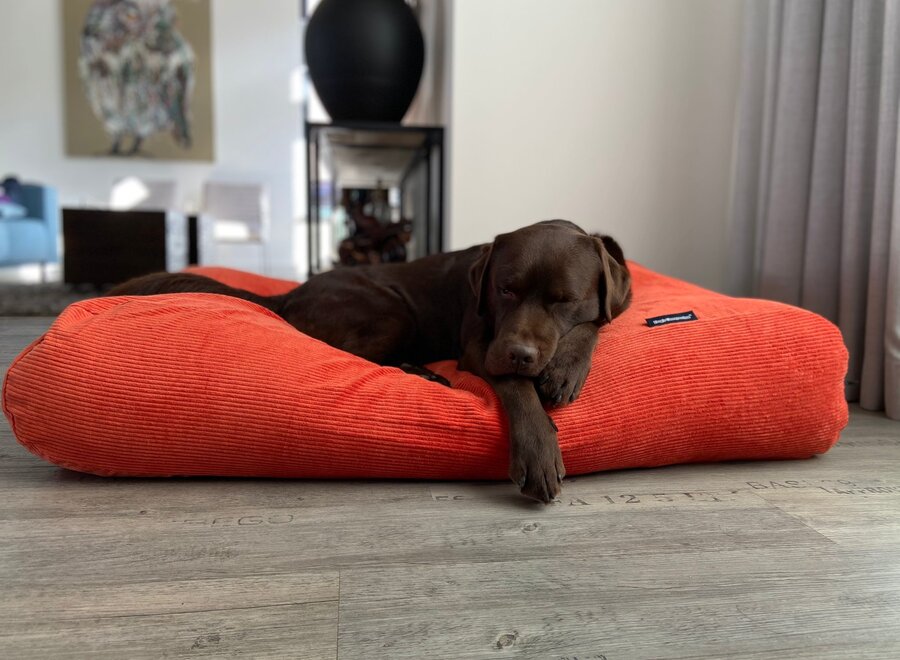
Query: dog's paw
(561, 380)
(536, 466)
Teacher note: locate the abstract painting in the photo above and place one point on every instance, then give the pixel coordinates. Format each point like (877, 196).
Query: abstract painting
(138, 79)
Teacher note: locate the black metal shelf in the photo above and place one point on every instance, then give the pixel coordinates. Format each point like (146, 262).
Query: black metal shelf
(365, 154)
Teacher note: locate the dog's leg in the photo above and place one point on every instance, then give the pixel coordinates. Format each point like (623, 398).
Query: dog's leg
(535, 461)
(561, 380)
(158, 283)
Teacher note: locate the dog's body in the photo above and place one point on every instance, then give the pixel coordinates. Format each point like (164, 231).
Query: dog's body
(521, 312)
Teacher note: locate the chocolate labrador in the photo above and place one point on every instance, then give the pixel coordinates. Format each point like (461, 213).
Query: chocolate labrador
(521, 312)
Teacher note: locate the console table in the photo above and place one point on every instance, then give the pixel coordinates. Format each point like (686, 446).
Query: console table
(369, 155)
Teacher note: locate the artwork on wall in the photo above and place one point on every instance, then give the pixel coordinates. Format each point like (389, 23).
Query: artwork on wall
(138, 78)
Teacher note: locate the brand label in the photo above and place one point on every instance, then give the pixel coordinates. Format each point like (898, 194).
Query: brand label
(680, 317)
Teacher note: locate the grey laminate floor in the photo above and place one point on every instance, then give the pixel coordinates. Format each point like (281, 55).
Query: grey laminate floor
(750, 560)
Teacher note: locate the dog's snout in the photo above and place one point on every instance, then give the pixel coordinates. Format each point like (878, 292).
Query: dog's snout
(515, 357)
(522, 356)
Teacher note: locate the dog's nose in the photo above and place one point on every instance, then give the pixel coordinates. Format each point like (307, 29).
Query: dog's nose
(521, 355)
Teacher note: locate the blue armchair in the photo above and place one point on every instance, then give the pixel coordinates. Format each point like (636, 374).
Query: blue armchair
(34, 238)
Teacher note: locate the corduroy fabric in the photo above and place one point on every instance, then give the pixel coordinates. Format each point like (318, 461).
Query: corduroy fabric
(200, 384)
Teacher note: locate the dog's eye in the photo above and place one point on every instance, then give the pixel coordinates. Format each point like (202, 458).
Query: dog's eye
(506, 293)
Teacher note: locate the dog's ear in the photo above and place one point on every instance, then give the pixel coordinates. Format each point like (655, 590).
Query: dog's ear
(616, 290)
(478, 279)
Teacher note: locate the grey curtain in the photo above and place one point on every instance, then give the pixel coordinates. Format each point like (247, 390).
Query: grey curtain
(816, 197)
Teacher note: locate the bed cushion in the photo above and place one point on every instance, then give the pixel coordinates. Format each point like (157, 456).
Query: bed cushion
(200, 384)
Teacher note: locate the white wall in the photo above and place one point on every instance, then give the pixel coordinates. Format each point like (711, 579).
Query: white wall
(431, 104)
(614, 114)
(256, 47)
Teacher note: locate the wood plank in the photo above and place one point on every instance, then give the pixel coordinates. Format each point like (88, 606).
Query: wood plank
(15, 334)
(278, 631)
(864, 650)
(856, 514)
(21, 605)
(208, 538)
(16, 460)
(703, 604)
(255, 616)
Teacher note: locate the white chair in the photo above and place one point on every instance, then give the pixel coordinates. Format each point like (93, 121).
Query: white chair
(133, 194)
(235, 220)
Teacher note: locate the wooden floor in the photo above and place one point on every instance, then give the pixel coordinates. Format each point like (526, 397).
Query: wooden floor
(752, 560)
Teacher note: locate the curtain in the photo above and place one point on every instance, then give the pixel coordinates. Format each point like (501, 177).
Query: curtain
(816, 195)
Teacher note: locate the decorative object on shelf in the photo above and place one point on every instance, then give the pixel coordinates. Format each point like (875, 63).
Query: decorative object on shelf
(374, 238)
(375, 192)
(138, 79)
(365, 58)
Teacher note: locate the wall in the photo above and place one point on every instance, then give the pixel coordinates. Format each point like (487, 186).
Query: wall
(431, 104)
(616, 115)
(256, 49)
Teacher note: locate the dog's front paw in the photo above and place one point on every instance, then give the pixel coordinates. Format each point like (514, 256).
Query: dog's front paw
(536, 464)
(561, 380)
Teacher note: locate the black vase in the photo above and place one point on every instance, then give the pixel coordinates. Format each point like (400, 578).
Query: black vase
(365, 58)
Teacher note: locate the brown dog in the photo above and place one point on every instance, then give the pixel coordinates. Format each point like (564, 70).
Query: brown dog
(521, 312)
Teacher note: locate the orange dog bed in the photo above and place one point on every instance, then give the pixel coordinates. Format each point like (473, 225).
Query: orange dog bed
(200, 384)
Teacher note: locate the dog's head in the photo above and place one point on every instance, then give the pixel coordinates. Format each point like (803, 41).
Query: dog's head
(533, 285)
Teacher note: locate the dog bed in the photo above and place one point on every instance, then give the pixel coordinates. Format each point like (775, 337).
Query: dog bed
(201, 384)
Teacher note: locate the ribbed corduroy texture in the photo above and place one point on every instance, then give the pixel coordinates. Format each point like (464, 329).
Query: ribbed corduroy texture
(198, 384)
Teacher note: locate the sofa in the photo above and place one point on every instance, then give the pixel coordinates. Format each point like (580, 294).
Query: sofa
(34, 237)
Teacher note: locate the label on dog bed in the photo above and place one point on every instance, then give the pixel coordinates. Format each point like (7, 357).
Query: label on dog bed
(680, 317)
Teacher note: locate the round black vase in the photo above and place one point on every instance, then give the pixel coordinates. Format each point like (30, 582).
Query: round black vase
(365, 58)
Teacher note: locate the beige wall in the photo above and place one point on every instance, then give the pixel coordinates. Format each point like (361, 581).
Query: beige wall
(616, 115)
